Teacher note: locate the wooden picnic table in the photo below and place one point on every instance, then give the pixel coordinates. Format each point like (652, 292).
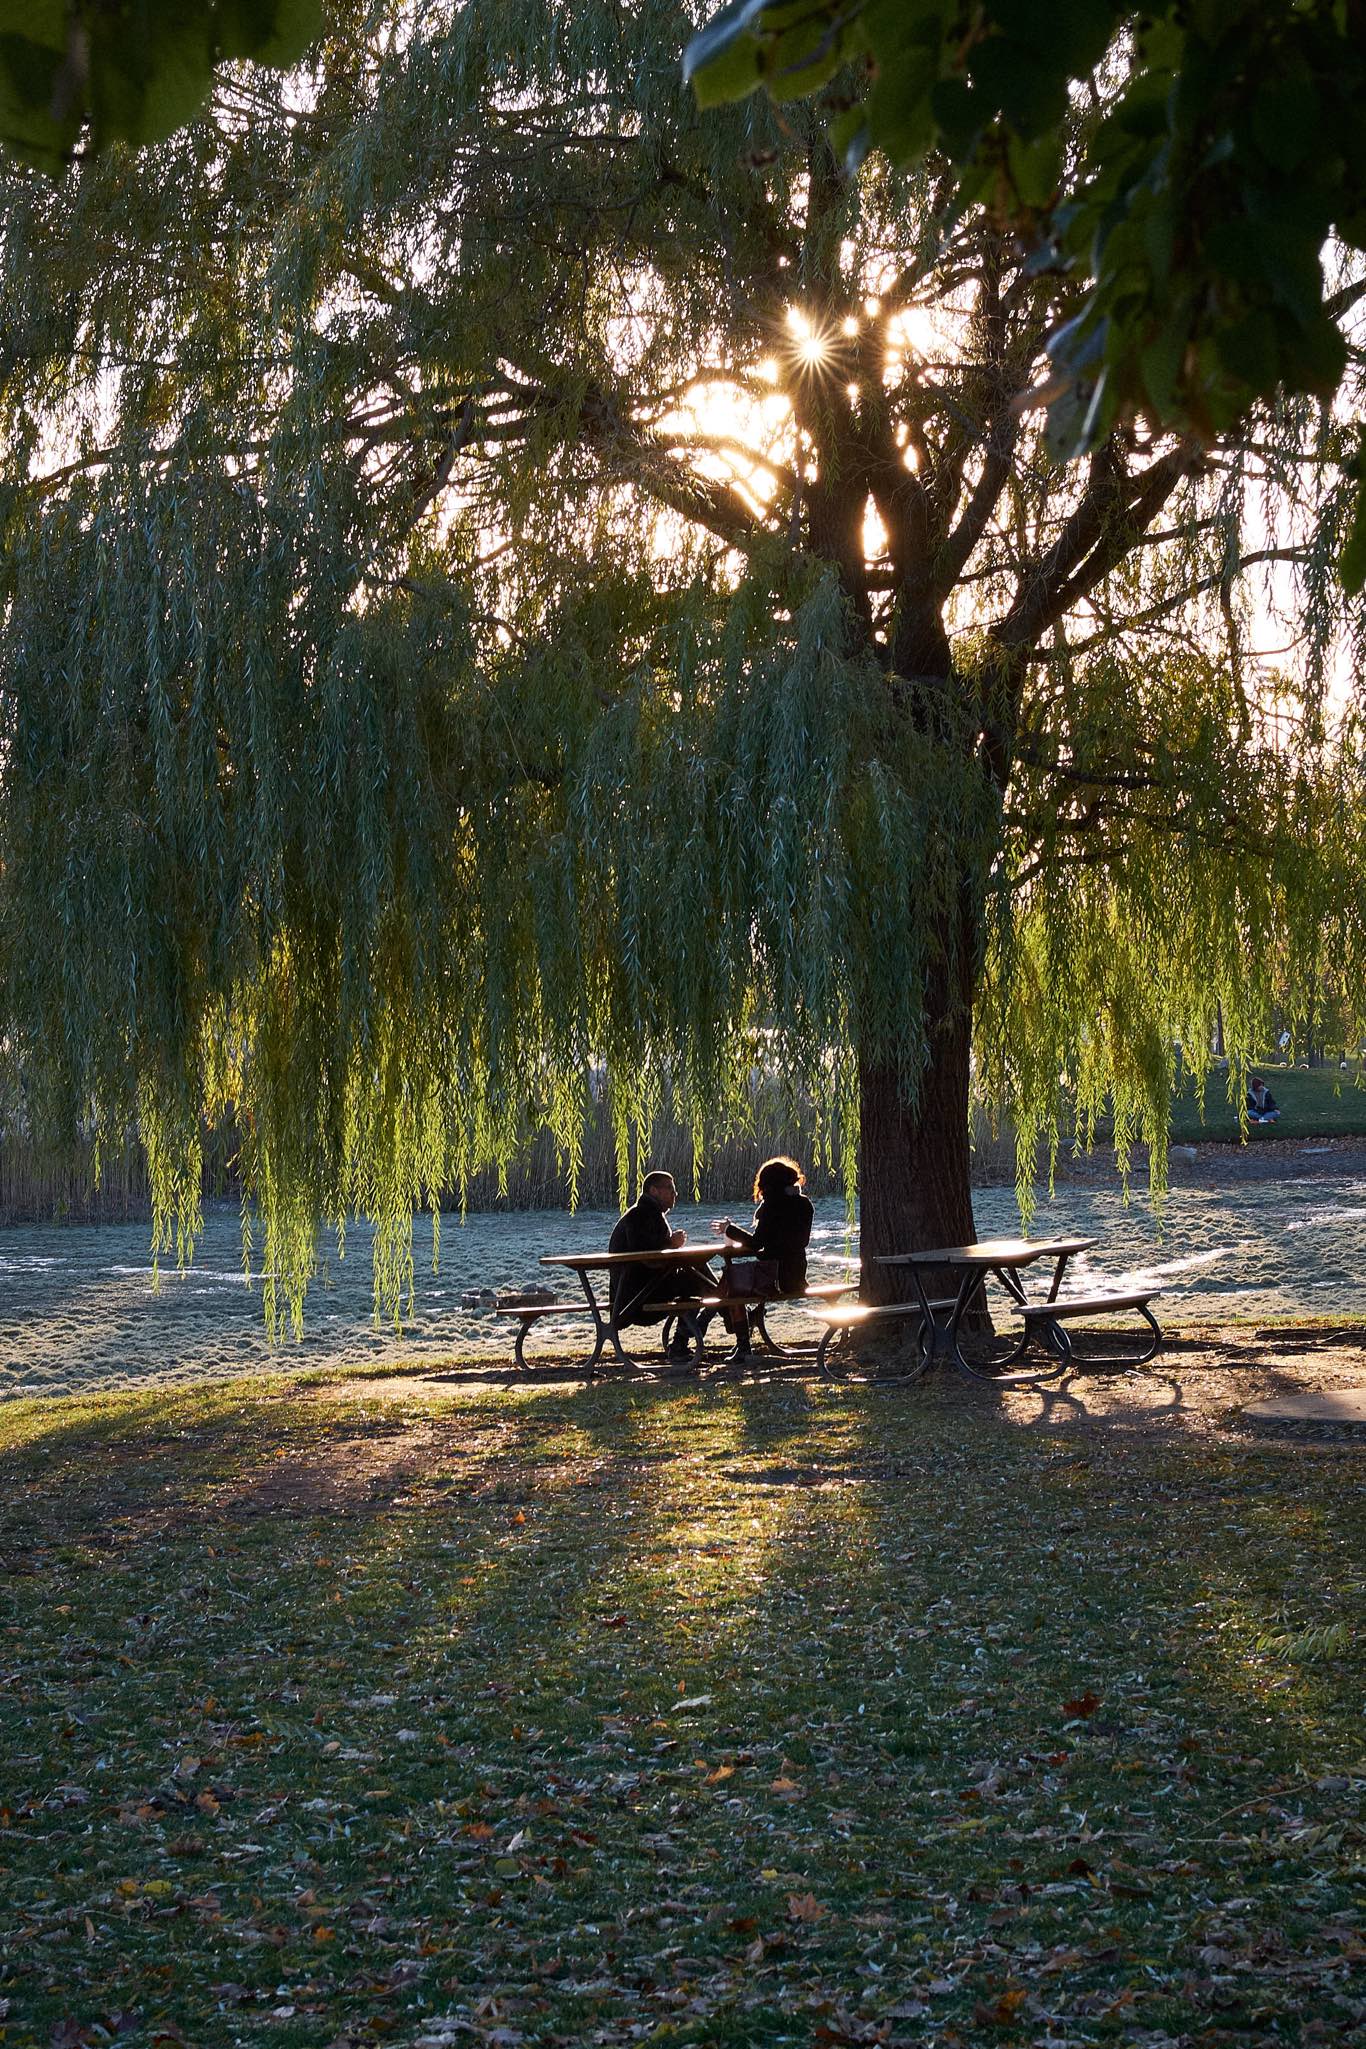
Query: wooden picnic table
(605, 1331)
(695, 1311)
(1006, 1261)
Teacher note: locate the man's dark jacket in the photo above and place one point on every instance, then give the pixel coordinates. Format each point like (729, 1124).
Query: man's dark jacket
(644, 1228)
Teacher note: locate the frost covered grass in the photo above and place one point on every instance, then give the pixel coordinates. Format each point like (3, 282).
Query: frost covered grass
(717, 1715)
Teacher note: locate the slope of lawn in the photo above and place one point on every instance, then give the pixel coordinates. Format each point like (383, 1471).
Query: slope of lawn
(671, 1714)
(1315, 1102)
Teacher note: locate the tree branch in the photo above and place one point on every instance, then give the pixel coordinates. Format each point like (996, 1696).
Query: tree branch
(1113, 513)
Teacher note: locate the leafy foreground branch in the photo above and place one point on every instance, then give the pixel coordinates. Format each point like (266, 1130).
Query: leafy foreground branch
(623, 1715)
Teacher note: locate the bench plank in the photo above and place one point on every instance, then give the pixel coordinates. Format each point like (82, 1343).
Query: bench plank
(530, 1311)
(848, 1313)
(1087, 1305)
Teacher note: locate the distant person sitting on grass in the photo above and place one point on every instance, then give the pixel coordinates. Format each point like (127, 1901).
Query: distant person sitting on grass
(778, 1241)
(638, 1290)
(1261, 1104)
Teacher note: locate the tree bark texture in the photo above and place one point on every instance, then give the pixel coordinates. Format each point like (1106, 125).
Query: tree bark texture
(915, 1184)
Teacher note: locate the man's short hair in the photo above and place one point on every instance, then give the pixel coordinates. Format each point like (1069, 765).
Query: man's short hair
(658, 1177)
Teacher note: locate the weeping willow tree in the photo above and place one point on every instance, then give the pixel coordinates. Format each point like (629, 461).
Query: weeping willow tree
(508, 579)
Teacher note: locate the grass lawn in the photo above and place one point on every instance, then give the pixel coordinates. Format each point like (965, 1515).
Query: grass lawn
(1315, 1102)
(727, 1715)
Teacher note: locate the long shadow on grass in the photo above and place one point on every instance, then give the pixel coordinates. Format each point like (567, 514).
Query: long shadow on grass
(356, 1685)
(608, 1714)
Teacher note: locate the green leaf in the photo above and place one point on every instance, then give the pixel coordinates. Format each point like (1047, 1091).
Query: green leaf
(1352, 561)
(1070, 35)
(900, 117)
(1160, 361)
(144, 87)
(959, 115)
(1314, 354)
(35, 21)
(274, 32)
(1012, 79)
(1034, 168)
(800, 60)
(28, 78)
(1248, 349)
(146, 70)
(724, 60)
(851, 137)
(1286, 120)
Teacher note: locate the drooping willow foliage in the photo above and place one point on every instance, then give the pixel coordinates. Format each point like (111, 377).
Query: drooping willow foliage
(415, 707)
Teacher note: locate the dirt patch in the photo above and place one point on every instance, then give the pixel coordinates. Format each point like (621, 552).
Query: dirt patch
(432, 1387)
(1200, 1384)
(420, 1441)
(349, 1473)
(1220, 1163)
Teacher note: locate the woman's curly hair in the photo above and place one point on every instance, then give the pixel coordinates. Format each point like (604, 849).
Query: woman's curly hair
(777, 1174)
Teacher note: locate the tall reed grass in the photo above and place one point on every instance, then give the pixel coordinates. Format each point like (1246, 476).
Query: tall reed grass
(40, 1185)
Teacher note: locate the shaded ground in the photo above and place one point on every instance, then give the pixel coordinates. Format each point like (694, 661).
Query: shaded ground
(1198, 1386)
(423, 1710)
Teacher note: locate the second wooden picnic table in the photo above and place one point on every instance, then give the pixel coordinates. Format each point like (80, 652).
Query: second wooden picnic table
(971, 1266)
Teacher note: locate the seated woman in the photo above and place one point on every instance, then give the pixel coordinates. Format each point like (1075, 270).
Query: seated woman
(1262, 1107)
(777, 1240)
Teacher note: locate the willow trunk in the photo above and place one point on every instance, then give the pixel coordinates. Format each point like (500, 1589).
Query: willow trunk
(915, 1164)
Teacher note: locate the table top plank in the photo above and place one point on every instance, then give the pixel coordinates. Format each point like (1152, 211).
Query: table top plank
(666, 1255)
(990, 1252)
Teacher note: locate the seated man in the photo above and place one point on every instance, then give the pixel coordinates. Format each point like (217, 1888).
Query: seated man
(1261, 1104)
(638, 1289)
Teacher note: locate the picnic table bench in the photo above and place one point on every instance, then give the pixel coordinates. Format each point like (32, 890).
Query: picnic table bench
(759, 1305)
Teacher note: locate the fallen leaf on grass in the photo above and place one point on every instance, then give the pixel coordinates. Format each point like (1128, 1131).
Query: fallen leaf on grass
(1001, 2012)
(804, 1906)
(1083, 1706)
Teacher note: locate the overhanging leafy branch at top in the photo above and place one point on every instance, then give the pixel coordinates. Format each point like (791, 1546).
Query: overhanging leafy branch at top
(1228, 154)
(133, 70)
